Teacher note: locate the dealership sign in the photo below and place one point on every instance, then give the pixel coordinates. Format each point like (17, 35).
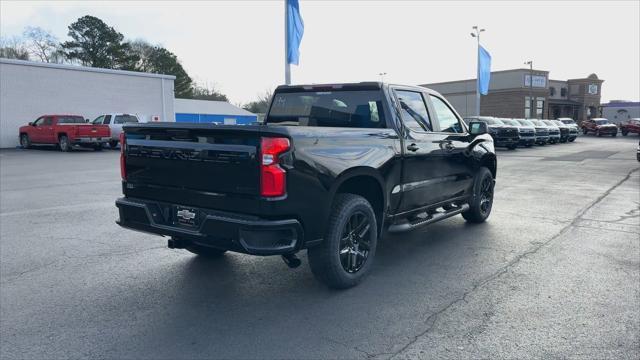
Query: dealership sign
(538, 81)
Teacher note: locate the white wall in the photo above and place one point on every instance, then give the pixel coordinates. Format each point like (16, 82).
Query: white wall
(30, 89)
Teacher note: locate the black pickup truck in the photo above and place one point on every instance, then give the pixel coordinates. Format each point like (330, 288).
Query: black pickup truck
(329, 170)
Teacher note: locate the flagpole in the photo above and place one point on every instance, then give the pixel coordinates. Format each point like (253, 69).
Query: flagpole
(287, 66)
(476, 34)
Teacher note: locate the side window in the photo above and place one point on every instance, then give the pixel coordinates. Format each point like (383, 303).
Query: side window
(48, 121)
(98, 120)
(446, 118)
(413, 110)
(118, 119)
(107, 119)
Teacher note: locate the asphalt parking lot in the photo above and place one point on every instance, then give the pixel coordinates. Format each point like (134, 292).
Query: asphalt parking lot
(555, 272)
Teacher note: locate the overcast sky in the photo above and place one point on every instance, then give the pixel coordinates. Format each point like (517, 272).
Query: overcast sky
(238, 46)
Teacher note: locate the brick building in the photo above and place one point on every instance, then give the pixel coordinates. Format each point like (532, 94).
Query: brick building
(510, 93)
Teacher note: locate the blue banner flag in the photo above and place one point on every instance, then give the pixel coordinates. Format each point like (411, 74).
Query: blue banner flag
(295, 30)
(484, 70)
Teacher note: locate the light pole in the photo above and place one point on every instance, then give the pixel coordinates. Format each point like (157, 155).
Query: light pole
(476, 34)
(382, 74)
(531, 102)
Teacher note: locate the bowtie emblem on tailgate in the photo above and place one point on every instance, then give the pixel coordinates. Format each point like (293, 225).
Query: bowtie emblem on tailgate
(186, 214)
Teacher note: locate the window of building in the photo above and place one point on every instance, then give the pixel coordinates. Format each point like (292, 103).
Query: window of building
(552, 91)
(527, 107)
(539, 108)
(563, 92)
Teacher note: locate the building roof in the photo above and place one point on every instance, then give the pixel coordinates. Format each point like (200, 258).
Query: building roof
(618, 103)
(492, 73)
(84, 68)
(191, 106)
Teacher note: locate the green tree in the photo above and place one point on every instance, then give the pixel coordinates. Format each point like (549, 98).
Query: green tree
(261, 105)
(97, 44)
(208, 92)
(13, 48)
(156, 59)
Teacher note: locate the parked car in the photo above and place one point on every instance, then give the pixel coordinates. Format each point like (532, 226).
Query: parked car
(66, 131)
(115, 123)
(554, 131)
(569, 122)
(631, 126)
(541, 132)
(599, 126)
(368, 156)
(503, 135)
(571, 131)
(527, 133)
(562, 130)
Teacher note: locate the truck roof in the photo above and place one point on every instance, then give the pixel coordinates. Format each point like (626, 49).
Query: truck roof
(365, 85)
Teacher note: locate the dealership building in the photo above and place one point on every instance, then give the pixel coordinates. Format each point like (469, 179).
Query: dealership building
(511, 93)
(31, 89)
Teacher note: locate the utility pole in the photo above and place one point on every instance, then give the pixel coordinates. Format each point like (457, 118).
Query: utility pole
(476, 34)
(531, 102)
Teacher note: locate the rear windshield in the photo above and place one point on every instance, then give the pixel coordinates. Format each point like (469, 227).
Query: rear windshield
(353, 108)
(125, 119)
(71, 120)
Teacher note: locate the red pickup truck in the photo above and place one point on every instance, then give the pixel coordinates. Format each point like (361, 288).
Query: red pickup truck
(599, 126)
(65, 131)
(631, 126)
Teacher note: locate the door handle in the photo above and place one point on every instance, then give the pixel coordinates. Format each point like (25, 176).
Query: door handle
(413, 147)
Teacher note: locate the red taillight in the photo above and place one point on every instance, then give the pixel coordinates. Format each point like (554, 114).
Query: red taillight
(272, 176)
(123, 165)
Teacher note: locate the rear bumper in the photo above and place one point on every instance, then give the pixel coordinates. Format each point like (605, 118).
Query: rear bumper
(90, 140)
(221, 230)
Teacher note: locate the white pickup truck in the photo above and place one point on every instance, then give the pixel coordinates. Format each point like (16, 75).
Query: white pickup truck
(115, 122)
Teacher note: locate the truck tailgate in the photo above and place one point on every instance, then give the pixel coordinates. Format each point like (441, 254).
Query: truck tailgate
(211, 159)
(89, 130)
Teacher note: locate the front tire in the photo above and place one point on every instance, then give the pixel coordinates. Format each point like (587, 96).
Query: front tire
(345, 256)
(482, 201)
(113, 144)
(24, 141)
(64, 144)
(512, 147)
(584, 131)
(625, 133)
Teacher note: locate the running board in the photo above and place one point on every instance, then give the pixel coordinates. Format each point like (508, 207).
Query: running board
(430, 220)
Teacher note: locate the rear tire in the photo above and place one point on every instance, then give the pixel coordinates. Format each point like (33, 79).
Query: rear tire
(512, 147)
(482, 201)
(614, 135)
(345, 256)
(24, 141)
(97, 147)
(63, 142)
(584, 131)
(113, 144)
(624, 133)
(204, 251)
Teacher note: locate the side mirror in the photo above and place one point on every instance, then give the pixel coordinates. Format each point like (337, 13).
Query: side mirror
(478, 128)
(31, 123)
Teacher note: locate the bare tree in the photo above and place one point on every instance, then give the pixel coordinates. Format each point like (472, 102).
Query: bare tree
(259, 106)
(13, 48)
(43, 45)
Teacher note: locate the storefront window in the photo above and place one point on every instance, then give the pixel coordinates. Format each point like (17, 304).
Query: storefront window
(527, 107)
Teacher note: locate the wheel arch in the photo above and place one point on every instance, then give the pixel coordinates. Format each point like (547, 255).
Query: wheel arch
(490, 161)
(366, 182)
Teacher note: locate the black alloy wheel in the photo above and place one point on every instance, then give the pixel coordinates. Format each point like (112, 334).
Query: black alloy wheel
(354, 243)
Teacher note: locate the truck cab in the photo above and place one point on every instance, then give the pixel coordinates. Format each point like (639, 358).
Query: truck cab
(116, 121)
